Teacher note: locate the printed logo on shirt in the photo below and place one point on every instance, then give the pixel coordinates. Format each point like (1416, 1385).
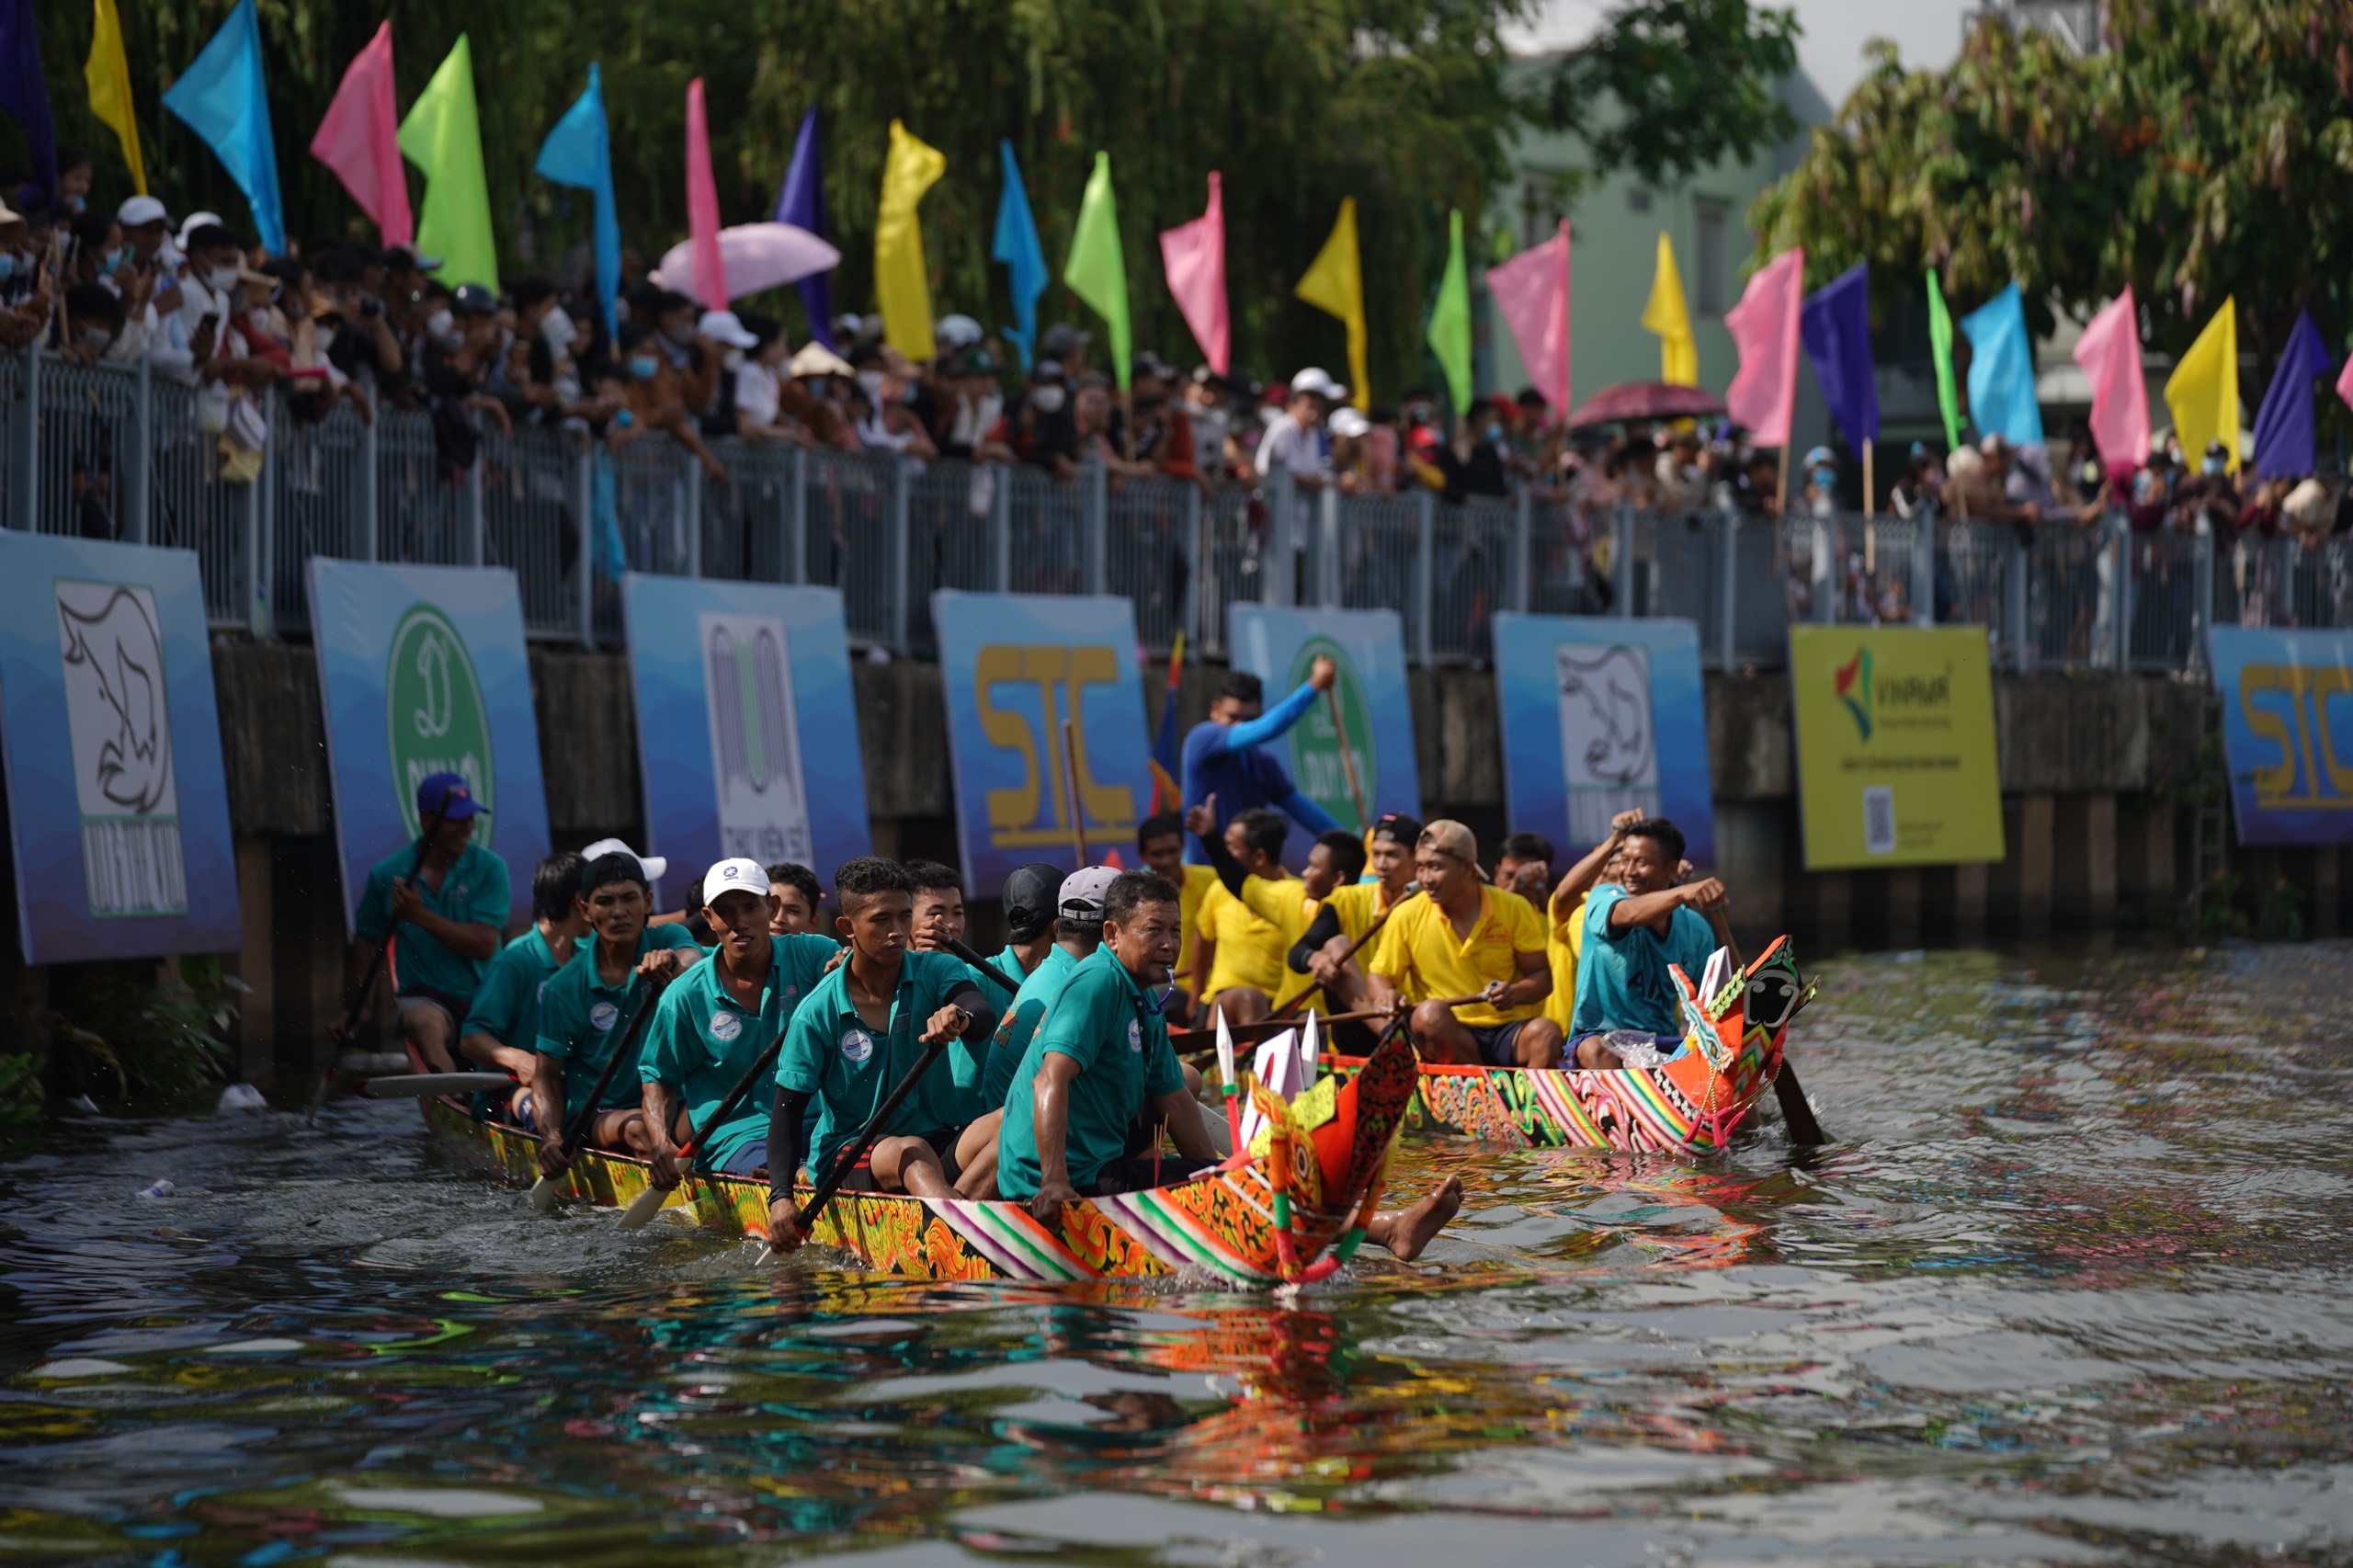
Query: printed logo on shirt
(542, 994)
(857, 1045)
(1135, 1037)
(601, 1016)
(725, 1025)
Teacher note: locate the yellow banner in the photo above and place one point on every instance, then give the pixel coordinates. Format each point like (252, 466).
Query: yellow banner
(1896, 762)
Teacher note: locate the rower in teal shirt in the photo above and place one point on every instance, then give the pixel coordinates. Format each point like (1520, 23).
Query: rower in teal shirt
(1633, 929)
(501, 1031)
(444, 927)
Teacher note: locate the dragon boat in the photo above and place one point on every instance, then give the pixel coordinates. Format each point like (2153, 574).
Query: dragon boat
(1735, 1028)
(1291, 1210)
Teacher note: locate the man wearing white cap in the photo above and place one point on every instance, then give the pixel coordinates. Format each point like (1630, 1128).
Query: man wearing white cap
(653, 864)
(1296, 440)
(717, 1020)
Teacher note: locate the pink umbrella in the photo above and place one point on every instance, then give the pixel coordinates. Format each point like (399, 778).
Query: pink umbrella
(753, 257)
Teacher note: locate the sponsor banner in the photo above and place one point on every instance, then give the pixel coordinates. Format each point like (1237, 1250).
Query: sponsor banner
(747, 725)
(1022, 672)
(1279, 646)
(116, 799)
(1598, 717)
(2286, 731)
(1896, 761)
(423, 670)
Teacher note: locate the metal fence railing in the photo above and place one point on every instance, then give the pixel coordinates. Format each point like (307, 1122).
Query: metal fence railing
(125, 453)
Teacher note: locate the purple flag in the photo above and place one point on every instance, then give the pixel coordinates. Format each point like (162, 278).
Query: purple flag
(2283, 427)
(801, 203)
(1835, 322)
(24, 93)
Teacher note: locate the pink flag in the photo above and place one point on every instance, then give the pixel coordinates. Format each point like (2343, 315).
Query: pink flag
(1764, 325)
(1193, 256)
(1532, 292)
(2109, 352)
(702, 206)
(359, 139)
(2344, 382)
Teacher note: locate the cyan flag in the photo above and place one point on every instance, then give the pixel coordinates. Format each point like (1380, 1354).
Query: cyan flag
(220, 96)
(801, 203)
(578, 152)
(2283, 425)
(1016, 246)
(2001, 370)
(23, 93)
(1835, 323)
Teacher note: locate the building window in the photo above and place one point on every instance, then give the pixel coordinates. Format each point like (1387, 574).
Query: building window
(1714, 260)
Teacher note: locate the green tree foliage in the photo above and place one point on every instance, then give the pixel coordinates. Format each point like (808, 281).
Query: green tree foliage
(1400, 103)
(2206, 150)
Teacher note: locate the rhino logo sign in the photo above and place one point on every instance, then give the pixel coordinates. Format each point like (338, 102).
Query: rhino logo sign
(112, 647)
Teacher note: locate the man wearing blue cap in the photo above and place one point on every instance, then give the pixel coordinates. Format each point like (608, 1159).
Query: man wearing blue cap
(444, 925)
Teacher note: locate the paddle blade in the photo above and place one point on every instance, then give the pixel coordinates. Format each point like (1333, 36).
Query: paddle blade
(1224, 1051)
(640, 1214)
(425, 1085)
(544, 1193)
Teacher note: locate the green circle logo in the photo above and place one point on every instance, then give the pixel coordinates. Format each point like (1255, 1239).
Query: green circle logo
(1315, 760)
(434, 717)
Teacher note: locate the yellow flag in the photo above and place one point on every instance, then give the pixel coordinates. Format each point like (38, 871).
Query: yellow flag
(108, 75)
(902, 283)
(1334, 284)
(2203, 391)
(1678, 355)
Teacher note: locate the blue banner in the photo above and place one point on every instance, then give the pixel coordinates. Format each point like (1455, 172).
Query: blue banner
(1279, 646)
(1602, 716)
(1018, 667)
(2286, 731)
(747, 725)
(422, 670)
(115, 797)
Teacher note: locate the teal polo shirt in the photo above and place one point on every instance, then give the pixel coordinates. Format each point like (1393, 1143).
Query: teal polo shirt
(1009, 964)
(507, 1008)
(1622, 982)
(473, 892)
(700, 1041)
(1103, 1021)
(831, 1055)
(1021, 1018)
(582, 1019)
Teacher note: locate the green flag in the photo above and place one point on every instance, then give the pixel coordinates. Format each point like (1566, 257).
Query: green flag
(1450, 318)
(1940, 344)
(1096, 271)
(442, 136)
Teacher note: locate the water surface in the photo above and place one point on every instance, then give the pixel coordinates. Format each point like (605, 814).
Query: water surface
(2073, 1286)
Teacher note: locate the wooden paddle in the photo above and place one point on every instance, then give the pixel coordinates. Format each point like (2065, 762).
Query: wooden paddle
(649, 1202)
(956, 945)
(426, 1086)
(1413, 889)
(855, 1150)
(1347, 757)
(1070, 788)
(1805, 1131)
(544, 1192)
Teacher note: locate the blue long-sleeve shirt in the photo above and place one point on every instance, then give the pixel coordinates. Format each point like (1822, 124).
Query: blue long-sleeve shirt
(1227, 761)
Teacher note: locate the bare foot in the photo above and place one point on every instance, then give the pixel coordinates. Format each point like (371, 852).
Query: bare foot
(1408, 1232)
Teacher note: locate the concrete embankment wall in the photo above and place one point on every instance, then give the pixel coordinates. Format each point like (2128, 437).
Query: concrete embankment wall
(2094, 772)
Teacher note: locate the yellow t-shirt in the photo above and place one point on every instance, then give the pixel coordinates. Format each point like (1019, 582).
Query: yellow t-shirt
(1419, 953)
(1250, 948)
(1285, 906)
(1564, 946)
(1197, 881)
(1358, 904)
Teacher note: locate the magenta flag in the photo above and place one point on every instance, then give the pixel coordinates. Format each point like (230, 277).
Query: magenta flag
(1193, 256)
(359, 139)
(1532, 292)
(2109, 353)
(1764, 393)
(702, 206)
(2344, 382)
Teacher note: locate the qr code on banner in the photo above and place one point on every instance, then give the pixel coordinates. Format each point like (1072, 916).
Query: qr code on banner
(1879, 820)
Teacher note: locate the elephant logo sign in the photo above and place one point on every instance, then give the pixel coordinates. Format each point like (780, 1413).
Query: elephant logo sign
(111, 646)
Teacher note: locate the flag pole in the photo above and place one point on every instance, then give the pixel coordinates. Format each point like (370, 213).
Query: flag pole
(1869, 506)
(1781, 480)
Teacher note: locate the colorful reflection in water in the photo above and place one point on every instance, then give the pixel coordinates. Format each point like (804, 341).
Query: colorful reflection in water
(2072, 1286)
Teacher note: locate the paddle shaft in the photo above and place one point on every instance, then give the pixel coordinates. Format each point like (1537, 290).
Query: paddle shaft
(375, 959)
(1070, 790)
(1347, 757)
(1288, 1008)
(426, 1086)
(852, 1151)
(1805, 1131)
(956, 946)
(766, 1060)
(577, 1128)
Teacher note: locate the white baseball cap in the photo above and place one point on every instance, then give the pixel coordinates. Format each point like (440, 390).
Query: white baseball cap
(734, 874)
(1083, 892)
(957, 332)
(195, 221)
(653, 864)
(1313, 379)
(1347, 422)
(138, 210)
(726, 326)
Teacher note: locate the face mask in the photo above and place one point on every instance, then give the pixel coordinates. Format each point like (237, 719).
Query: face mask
(643, 367)
(1494, 432)
(557, 331)
(222, 279)
(114, 261)
(1047, 399)
(732, 359)
(98, 337)
(871, 383)
(681, 335)
(8, 266)
(2212, 465)
(1825, 478)
(439, 326)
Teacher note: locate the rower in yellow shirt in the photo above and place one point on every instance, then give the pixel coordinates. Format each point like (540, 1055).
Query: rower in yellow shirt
(1464, 938)
(1238, 951)
(1160, 839)
(1354, 909)
(1286, 904)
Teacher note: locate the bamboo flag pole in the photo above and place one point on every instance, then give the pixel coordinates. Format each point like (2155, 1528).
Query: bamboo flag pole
(1070, 793)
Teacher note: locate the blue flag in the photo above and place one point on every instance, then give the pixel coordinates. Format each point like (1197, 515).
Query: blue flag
(801, 203)
(2283, 425)
(23, 93)
(578, 152)
(1016, 246)
(220, 96)
(2001, 371)
(1835, 322)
